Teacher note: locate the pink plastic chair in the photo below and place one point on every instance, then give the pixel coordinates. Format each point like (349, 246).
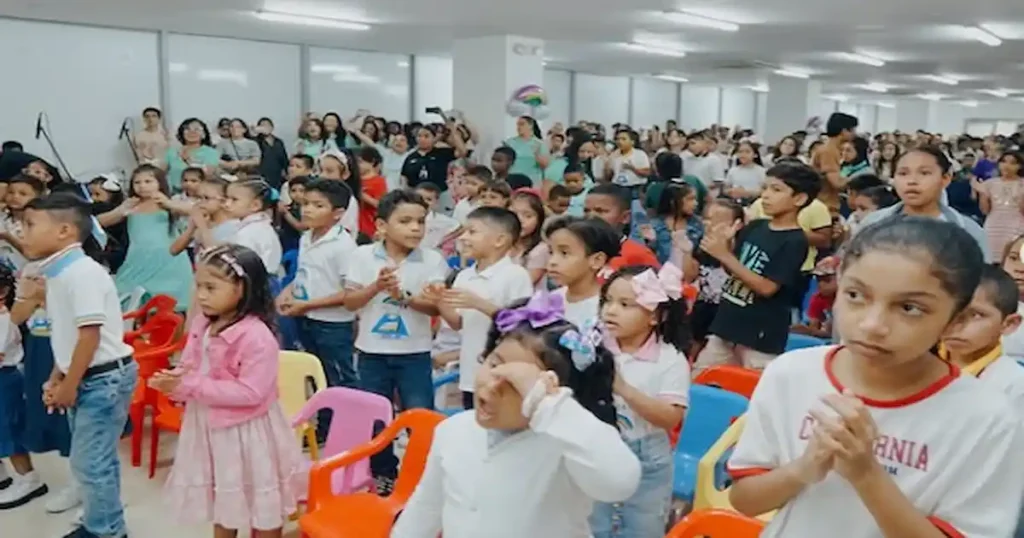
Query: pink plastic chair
(353, 414)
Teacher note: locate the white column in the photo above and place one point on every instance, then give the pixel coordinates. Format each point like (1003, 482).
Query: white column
(486, 72)
(790, 102)
(913, 114)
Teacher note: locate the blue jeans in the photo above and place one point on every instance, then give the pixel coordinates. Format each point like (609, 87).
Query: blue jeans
(643, 515)
(97, 420)
(331, 342)
(412, 376)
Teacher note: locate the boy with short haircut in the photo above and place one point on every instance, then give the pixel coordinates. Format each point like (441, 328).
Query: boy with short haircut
(611, 203)
(752, 322)
(482, 289)
(495, 193)
(974, 344)
(316, 298)
(501, 162)
(819, 308)
(387, 284)
(94, 375)
(578, 185)
(558, 201)
(21, 190)
(517, 181)
(474, 180)
(300, 165)
(438, 224)
(291, 227)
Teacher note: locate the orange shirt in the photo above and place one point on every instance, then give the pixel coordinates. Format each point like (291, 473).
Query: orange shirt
(374, 187)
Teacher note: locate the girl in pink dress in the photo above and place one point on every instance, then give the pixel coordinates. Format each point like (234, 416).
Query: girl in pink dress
(238, 463)
(1002, 201)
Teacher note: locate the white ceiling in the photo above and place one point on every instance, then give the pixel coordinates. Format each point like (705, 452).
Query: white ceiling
(915, 37)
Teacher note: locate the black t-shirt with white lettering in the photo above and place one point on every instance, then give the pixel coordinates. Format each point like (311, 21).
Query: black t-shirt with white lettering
(745, 318)
(431, 167)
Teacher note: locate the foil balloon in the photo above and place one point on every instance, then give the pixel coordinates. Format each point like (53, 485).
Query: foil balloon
(530, 100)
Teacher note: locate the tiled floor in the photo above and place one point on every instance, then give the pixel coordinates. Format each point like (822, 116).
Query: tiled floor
(145, 512)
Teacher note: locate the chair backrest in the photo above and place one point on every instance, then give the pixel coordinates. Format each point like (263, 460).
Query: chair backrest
(161, 328)
(296, 369)
(736, 379)
(801, 341)
(710, 413)
(716, 524)
(421, 424)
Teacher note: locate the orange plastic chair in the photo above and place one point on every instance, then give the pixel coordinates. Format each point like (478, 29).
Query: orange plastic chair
(151, 359)
(736, 379)
(367, 515)
(166, 416)
(159, 329)
(716, 524)
(157, 303)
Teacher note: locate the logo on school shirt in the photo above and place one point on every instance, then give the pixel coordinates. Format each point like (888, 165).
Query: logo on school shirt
(893, 453)
(391, 325)
(299, 290)
(753, 258)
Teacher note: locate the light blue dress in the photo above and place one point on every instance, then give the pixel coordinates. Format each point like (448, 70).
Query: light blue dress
(149, 263)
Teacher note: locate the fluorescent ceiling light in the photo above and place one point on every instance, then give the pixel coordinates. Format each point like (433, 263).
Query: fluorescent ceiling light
(759, 88)
(996, 30)
(984, 36)
(700, 20)
(969, 104)
(883, 104)
(792, 74)
(943, 79)
(837, 97)
(311, 20)
(177, 67)
(671, 78)
(930, 96)
(861, 59)
(996, 93)
(403, 63)
(223, 75)
(656, 48)
(876, 87)
(361, 78)
(333, 68)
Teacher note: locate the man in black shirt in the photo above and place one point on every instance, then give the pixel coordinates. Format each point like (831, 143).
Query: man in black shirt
(753, 318)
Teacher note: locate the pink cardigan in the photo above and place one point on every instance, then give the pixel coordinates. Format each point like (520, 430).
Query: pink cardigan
(242, 382)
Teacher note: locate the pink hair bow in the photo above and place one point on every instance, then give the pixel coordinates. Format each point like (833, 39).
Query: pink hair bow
(653, 289)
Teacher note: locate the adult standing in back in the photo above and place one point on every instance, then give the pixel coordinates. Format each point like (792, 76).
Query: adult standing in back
(828, 158)
(152, 141)
(428, 163)
(532, 155)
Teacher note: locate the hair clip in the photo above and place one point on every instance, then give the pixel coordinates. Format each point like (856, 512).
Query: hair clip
(582, 344)
(653, 289)
(541, 310)
(275, 195)
(232, 263)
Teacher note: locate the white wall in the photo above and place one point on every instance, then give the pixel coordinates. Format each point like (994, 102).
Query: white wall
(87, 80)
(886, 119)
(761, 120)
(601, 99)
(698, 106)
(952, 117)
(433, 85)
(558, 85)
(654, 101)
(211, 78)
(346, 81)
(738, 107)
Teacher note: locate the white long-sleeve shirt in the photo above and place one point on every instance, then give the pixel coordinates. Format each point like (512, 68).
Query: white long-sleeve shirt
(540, 482)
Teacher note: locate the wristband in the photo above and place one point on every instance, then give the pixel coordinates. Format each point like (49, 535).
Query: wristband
(540, 389)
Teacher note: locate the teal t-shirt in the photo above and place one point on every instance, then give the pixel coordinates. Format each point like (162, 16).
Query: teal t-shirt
(202, 156)
(555, 172)
(577, 202)
(526, 160)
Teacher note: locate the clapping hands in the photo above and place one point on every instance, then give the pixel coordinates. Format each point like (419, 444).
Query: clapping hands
(843, 442)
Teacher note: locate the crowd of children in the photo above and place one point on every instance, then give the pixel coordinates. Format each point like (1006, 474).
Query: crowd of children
(574, 286)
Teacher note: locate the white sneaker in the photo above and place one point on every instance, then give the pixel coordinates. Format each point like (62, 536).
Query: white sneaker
(23, 489)
(64, 500)
(5, 480)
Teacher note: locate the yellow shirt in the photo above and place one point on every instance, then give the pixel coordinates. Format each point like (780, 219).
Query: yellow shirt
(979, 365)
(813, 217)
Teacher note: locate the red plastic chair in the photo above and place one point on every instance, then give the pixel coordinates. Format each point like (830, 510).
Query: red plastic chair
(366, 515)
(158, 330)
(736, 379)
(155, 304)
(716, 524)
(166, 416)
(151, 359)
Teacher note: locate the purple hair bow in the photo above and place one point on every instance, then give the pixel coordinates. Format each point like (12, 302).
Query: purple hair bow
(541, 310)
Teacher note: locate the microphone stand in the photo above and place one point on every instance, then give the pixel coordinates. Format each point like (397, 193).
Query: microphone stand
(126, 132)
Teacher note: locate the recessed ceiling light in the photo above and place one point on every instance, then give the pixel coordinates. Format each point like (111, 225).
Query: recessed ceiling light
(333, 68)
(660, 49)
(837, 97)
(996, 93)
(671, 78)
(759, 88)
(984, 36)
(791, 73)
(943, 79)
(861, 59)
(930, 96)
(876, 87)
(883, 104)
(969, 104)
(310, 20)
(361, 78)
(700, 20)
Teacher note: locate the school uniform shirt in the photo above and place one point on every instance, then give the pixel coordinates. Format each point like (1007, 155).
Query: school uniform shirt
(500, 284)
(946, 213)
(746, 318)
(658, 370)
(322, 269)
(462, 210)
(953, 449)
(429, 167)
(540, 482)
(388, 326)
(1001, 373)
(10, 341)
(257, 233)
(1013, 343)
(350, 219)
(9, 254)
(708, 168)
(625, 177)
(80, 293)
(438, 227)
(391, 166)
(749, 178)
(580, 312)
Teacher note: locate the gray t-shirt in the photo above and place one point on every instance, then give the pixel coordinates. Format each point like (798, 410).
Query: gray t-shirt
(239, 150)
(748, 178)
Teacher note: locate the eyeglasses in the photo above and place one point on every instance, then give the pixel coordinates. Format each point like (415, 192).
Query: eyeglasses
(194, 128)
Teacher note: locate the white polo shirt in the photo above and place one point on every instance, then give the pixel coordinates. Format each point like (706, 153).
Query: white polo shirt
(953, 449)
(501, 284)
(256, 232)
(439, 226)
(322, 269)
(388, 326)
(7, 250)
(581, 312)
(625, 177)
(658, 370)
(1006, 376)
(80, 293)
(10, 340)
(350, 219)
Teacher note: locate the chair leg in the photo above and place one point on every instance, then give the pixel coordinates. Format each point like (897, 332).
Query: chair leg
(154, 444)
(314, 449)
(137, 412)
